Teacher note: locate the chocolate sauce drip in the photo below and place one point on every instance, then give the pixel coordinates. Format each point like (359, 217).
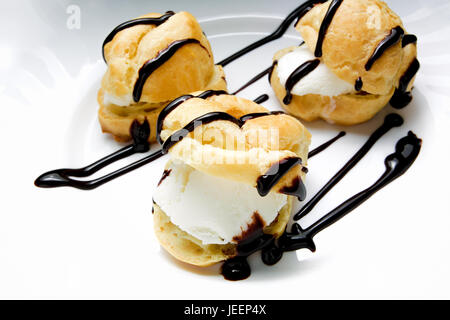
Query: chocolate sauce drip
(296, 189)
(325, 145)
(250, 116)
(253, 80)
(135, 22)
(392, 120)
(268, 180)
(271, 69)
(406, 151)
(334, 5)
(298, 12)
(175, 103)
(402, 97)
(262, 98)
(62, 177)
(394, 36)
(165, 174)
(408, 39)
(299, 73)
(358, 84)
(264, 182)
(237, 268)
(151, 65)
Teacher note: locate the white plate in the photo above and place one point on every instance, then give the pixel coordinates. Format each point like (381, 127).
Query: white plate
(66, 243)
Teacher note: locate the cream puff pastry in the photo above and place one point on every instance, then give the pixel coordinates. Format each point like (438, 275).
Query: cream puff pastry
(355, 56)
(151, 61)
(234, 169)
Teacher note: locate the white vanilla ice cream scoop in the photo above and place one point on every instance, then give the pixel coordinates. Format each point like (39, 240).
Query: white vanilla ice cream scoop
(320, 81)
(213, 209)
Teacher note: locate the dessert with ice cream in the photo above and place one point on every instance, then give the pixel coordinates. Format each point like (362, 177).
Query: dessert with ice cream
(152, 60)
(233, 171)
(355, 58)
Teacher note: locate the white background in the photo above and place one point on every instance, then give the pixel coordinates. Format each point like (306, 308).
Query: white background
(66, 243)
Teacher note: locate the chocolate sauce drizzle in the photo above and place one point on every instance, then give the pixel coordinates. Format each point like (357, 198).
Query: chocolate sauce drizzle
(334, 6)
(394, 36)
(199, 121)
(237, 268)
(397, 163)
(391, 121)
(402, 97)
(325, 145)
(151, 65)
(271, 69)
(299, 73)
(406, 151)
(254, 79)
(177, 102)
(272, 250)
(408, 39)
(255, 115)
(358, 84)
(135, 22)
(140, 134)
(209, 117)
(262, 98)
(297, 13)
(267, 181)
(63, 177)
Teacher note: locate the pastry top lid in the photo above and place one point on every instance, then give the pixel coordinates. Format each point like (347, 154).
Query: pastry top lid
(241, 145)
(357, 39)
(156, 61)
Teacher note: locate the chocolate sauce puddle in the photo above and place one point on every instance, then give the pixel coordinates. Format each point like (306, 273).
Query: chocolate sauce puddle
(402, 97)
(135, 22)
(391, 121)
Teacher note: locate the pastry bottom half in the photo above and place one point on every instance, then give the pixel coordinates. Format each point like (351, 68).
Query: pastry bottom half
(189, 249)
